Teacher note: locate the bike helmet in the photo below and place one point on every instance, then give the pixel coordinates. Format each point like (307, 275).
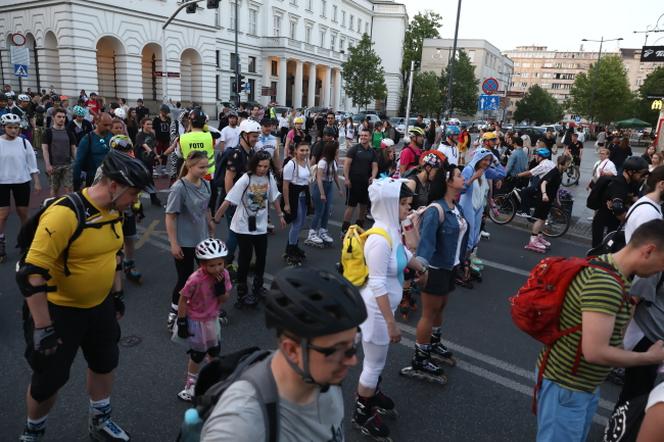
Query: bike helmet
(298, 120)
(165, 108)
(10, 119)
(24, 97)
(433, 158)
(197, 118)
(267, 121)
(120, 113)
(248, 126)
(79, 111)
(489, 136)
(415, 130)
(545, 153)
(211, 248)
(40, 109)
(452, 131)
(10, 95)
(386, 143)
(122, 168)
(635, 164)
(122, 143)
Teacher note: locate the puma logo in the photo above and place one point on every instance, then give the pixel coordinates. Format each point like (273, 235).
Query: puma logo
(49, 232)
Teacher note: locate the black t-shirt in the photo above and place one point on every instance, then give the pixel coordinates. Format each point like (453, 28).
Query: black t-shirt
(162, 129)
(549, 142)
(237, 161)
(141, 112)
(575, 148)
(362, 159)
(617, 189)
(553, 179)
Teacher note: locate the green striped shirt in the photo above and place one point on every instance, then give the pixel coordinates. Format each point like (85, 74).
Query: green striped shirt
(592, 290)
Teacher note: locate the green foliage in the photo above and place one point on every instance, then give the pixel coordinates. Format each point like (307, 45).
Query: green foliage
(612, 98)
(427, 97)
(653, 85)
(363, 74)
(537, 106)
(464, 85)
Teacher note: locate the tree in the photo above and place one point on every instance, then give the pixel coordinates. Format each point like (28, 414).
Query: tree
(464, 85)
(537, 106)
(427, 98)
(653, 85)
(423, 25)
(612, 98)
(363, 74)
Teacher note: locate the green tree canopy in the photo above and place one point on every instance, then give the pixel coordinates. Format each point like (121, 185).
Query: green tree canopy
(363, 74)
(427, 98)
(464, 85)
(653, 85)
(612, 98)
(537, 106)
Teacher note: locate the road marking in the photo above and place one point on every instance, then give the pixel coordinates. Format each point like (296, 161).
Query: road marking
(147, 233)
(505, 267)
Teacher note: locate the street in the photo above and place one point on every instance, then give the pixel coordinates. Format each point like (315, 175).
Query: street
(488, 396)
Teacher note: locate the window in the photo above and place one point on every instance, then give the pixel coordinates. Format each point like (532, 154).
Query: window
(322, 38)
(525, 75)
(333, 40)
(273, 68)
(359, 24)
(217, 55)
(273, 91)
(323, 5)
(233, 88)
(556, 86)
(343, 19)
(252, 64)
(252, 21)
(276, 26)
(366, 28)
(310, 5)
(342, 43)
(216, 87)
(233, 62)
(352, 21)
(252, 89)
(334, 13)
(293, 29)
(307, 35)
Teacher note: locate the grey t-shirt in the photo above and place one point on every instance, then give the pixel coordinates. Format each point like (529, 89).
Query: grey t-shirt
(237, 417)
(59, 143)
(191, 205)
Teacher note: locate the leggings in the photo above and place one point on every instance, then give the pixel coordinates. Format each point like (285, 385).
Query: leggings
(184, 268)
(247, 244)
(231, 241)
(374, 361)
(321, 208)
(298, 222)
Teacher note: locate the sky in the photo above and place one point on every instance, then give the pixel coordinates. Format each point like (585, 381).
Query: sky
(510, 23)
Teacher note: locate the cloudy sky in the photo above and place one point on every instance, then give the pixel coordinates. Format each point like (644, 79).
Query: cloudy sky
(510, 23)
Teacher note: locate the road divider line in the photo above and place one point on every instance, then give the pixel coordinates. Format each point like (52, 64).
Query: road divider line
(146, 233)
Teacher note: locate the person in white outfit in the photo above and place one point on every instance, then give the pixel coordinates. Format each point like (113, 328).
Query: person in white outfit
(390, 204)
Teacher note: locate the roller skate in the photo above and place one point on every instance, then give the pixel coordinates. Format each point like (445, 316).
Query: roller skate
(313, 240)
(475, 274)
(325, 236)
(423, 368)
(102, 428)
(535, 245)
(544, 242)
(485, 235)
(223, 318)
(187, 394)
(131, 272)
(31, 436)
(242, 293)
(368, 420)
(462, 277)
(291, 257)
(440, 353)
(3, 252)
(259, 292)
(476, 262)
(299, 252)
(383, 404)
(172, 317)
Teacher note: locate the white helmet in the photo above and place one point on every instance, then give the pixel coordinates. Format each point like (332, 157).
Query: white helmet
(10, 95)
(10, 119)
(248, 126)
(211, 248)
(24, 97)
(386, 142)
(120, 113)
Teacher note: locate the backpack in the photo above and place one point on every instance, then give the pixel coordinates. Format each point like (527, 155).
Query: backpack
(595, 198)
(537, 306)
(76, 202)
(416, 157)
(614, 241)
(353, 265)
(250, 364)
(625, 422)
(412, 232)
(222, 163)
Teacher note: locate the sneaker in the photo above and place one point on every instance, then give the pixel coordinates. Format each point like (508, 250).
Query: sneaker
(485, 235)
(523, 214)
(102, 428)
(544, 242)
(325, 236)
(31, 436)
(535, 246)
(313, 239)
(187, 394)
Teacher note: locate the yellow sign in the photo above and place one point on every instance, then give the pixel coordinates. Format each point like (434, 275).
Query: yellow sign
(656, 105)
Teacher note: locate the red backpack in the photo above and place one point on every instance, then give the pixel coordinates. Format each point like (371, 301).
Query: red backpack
(537, 306)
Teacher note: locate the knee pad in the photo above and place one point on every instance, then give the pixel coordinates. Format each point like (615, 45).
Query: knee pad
(196, 356)
(214, 351)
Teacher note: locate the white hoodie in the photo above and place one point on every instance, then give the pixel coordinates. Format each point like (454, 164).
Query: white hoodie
(385, 264)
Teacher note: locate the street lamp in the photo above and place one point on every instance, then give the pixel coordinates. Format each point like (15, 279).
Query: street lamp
(599, 56)
(451, 63)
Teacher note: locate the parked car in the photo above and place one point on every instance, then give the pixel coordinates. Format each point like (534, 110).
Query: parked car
(281, 109)
(535, 133)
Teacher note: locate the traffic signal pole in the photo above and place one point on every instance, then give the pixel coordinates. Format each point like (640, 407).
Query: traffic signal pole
(237, 60)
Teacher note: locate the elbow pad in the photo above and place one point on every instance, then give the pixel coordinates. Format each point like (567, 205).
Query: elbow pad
(23, 273)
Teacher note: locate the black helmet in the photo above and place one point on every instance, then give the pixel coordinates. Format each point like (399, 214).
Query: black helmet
(197, 118)
(266, 121)
(165, 108)
(329, 131)
(635, 164)
(128, 171)
(311, 302)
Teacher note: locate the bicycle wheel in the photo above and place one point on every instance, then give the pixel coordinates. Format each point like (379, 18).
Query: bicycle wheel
(571, 176)
(502, 209)
(557, 223)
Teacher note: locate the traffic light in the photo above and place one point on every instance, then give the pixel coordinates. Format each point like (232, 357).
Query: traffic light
(212, 4)
(191, 9)
(241, 84)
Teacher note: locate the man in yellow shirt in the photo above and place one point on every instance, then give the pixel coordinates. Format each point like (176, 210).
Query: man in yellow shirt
(198, 139)
(67, 286)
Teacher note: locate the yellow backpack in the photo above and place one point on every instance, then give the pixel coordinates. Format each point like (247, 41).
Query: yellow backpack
(353, 265)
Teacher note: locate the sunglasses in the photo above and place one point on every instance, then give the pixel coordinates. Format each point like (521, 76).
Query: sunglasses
(346, 353)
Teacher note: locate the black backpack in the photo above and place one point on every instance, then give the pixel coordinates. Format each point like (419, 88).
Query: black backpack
(625, 422)
(596, 196)
(252, 365)
(76, 202)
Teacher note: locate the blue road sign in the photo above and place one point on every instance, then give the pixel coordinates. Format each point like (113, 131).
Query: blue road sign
(488, 102)
(578, 119)
(21, 70)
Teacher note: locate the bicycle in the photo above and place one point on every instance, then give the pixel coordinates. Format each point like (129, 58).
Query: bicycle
(503, 208)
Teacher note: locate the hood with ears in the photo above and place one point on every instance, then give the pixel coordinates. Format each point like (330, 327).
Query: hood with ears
(479, 155)
(384, 195)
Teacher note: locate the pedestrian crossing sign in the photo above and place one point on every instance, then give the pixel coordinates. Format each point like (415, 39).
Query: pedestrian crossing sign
(21, 70)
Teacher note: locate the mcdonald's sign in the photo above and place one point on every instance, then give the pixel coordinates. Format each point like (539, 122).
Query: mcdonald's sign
(657, 104)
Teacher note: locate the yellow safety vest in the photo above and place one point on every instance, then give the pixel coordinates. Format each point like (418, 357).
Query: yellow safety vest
(198, 141)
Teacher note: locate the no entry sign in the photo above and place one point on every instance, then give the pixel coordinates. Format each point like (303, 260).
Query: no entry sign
(490, 86)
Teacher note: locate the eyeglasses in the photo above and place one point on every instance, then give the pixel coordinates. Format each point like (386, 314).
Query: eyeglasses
(346, 353)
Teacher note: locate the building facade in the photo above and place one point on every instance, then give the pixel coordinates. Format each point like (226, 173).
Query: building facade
(637, 71)
(487, 59)
(290, 51)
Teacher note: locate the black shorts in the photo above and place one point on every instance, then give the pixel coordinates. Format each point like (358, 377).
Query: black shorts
(129, 225)
(21, 194)
(357, 194)
(577, 160)
(542, 210)
(440, 282)
(95, 330)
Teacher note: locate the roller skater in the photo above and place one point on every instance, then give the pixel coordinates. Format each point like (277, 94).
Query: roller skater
(296, 197)
(368, 420)
(313, 240)
(322, 189)
(131, 272)
(423, 368)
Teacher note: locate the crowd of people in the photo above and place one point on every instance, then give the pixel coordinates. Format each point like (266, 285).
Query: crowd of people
(99, 156)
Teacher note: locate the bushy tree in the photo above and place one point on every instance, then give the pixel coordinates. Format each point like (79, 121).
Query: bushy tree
(653, 85)
(464, 85)
(537, 106)
(427, 98)
(363, 74)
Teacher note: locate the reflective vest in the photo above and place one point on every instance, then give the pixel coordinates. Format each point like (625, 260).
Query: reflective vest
(198, 141)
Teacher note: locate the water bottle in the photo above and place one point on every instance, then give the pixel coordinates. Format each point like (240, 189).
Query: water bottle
(191, 427)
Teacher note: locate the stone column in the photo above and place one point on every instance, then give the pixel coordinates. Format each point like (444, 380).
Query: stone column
(267, 78)
(297, 87)
(337, 90)
(311, 95)
(281, 86)
(325, 89)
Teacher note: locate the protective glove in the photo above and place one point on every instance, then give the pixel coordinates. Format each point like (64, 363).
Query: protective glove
(45, 340)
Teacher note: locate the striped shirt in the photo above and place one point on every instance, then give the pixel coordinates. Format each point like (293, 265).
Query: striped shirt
(592, 290)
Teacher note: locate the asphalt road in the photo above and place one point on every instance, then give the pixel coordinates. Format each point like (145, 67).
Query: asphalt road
(487, 398)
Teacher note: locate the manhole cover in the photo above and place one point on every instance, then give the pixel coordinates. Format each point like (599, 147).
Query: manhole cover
(130, 341)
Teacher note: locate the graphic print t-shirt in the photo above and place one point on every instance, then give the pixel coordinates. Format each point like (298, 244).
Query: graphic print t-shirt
(252, 194)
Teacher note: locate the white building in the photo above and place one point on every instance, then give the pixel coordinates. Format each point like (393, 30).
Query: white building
(290, 50)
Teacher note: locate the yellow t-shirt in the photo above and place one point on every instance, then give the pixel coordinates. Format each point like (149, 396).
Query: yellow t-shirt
(198, 141)
(92, 256)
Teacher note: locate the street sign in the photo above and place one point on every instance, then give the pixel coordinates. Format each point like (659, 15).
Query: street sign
(18, 39)
(166, 74)
(19, 55)
(488, 102)
(21, 70)
(490, 86)
(577, 119)
(652, 53)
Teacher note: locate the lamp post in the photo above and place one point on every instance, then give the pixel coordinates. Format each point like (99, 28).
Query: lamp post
(451, 62)
(601, 42)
